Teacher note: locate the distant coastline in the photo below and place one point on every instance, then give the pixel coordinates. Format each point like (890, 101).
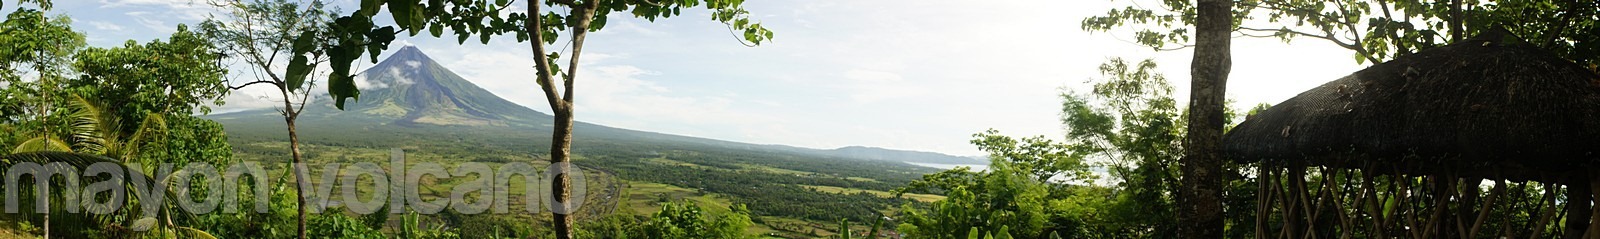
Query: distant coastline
(975, 167)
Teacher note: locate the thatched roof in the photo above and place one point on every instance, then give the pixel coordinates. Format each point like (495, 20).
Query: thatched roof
(1492, 105)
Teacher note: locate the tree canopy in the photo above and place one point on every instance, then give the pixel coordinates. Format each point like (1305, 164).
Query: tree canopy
(1375, 30)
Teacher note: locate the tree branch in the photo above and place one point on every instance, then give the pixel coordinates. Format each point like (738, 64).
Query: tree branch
(1399, 46)
(1355, 37)
(579, 32)
(652, 3)
(535, 28)
(736, 35)
(1566, 17)
(248, 84)
(1327, 36)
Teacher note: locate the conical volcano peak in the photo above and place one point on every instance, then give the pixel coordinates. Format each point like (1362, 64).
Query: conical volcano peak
(408, 59)
(409, 53)
(408, 87)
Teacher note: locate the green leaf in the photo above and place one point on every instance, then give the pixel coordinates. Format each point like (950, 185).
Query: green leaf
(418, 20)
(196, 233)
(306, 42)
(296, 74)
(143, 224)
(436, 29)
(401, 11)
(42, 144)
(373, 50)
(370, 7)
(383, 35)
(341, 87)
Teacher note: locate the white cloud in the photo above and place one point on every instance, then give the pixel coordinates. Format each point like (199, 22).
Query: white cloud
(153, 22)
(869, 86)
(363, 84)
(634, 99)
(169, 3)
(104, 26)
(414, 64)
(400, 77)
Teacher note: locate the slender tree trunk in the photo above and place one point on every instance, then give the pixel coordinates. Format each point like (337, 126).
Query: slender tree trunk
(299, 178)
(1456, 21)
(560, 152)
(1199, 198)
(289, 115)
(561, 104)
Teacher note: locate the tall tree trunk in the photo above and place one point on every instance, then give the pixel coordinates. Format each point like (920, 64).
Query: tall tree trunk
(560, 152)
(561, 104)
(1199, 197)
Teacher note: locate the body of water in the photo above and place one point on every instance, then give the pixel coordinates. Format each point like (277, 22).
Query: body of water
(975, 167)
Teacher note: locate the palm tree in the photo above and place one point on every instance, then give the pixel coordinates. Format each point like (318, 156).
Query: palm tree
(97, 137)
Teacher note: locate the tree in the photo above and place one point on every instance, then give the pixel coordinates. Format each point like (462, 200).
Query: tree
(174, 79)
(258, 32)
(1130, 122)
(686, 220)
(37, 47)
(1020, 191)
(1002, 197)
(486, 19)
(1042, 158)
(98, 133)
(179, 76)
(1200, 191)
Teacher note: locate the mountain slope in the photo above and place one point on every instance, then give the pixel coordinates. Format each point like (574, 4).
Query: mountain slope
(411, 86)
(415, 100)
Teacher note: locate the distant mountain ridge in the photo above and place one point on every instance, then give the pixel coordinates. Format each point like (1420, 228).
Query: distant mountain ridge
(875, 153)
(410, 92)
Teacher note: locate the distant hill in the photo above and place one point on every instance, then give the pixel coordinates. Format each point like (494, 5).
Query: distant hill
(413, 99)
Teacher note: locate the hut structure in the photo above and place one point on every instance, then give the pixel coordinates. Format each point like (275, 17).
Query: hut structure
(1482, 138)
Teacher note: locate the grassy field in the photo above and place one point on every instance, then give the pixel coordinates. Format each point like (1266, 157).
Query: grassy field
(644, 198)
(913, 196)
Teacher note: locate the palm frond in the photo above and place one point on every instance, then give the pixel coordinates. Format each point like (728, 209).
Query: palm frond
(93, 129)
(153, 125)
(82, 161)
(42, 144)
(190, 232)
(99, 132)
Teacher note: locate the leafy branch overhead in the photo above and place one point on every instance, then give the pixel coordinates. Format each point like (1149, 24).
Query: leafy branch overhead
(484, 19)
(1374, 30)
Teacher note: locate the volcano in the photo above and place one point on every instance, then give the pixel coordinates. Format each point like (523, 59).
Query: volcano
(408, 99)
(413, 89)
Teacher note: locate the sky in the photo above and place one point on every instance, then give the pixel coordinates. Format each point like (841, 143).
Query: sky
(903, 74)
